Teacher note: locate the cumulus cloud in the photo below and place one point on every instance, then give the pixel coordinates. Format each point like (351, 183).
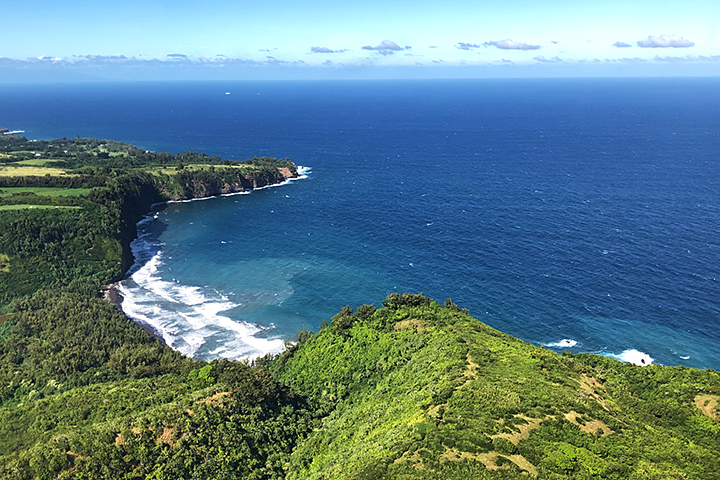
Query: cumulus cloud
(542, 59)
(508, 44)
(44, 59)
(467, 46)
(386, 47)
(177, 55)
(628, 60)
(688, 58)
(620, 44)
(101, 58)
(665, 41)
(327, 50)
(554, 41)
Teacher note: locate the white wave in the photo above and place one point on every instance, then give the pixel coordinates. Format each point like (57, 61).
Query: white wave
(187, 317)
(303, 172)
(564, 343)
(633, 356)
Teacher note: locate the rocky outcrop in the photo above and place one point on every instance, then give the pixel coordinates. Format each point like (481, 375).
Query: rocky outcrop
(189, 184)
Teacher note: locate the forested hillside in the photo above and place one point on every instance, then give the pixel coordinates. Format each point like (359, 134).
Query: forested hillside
(413, 389)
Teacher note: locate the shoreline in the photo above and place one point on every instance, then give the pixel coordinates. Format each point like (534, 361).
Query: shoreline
(111, 292)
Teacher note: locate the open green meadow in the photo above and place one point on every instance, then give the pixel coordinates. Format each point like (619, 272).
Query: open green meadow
(34, 162)
(29, 207)
(13, 170)
(45, 191)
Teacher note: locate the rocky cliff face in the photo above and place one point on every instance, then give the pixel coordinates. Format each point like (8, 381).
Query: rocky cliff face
(221, 181)
(187, 185)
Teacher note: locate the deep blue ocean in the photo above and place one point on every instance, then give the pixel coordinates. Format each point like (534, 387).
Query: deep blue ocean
(580, 214)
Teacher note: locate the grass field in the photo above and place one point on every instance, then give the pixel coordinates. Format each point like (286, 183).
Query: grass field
(46, 191)
(34, 162)
(27, 207)
(29, 171)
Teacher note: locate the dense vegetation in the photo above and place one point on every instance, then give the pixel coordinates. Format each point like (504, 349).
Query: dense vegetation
(413, 389)
(110, 186)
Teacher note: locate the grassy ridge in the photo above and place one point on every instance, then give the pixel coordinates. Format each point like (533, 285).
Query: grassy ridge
(419, 390)
(413, 390)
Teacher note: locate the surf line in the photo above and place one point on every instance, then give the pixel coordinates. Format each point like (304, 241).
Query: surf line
(147, 256)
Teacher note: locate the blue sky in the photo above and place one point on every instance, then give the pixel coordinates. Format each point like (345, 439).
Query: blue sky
(314, 39)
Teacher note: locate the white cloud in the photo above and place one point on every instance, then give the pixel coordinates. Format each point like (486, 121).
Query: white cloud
(386, 47)
(665, 41)
(542, 59)
(620, 44)
(688, 58)
(467, 46)
(326, 50)
(508, 44)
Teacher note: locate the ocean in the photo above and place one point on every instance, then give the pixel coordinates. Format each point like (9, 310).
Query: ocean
(578, 214)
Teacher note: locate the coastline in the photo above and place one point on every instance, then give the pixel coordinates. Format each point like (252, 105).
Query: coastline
(112, 292)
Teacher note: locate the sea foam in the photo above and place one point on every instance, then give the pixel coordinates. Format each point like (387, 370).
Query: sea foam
(189, 318)
(564, 343)
(633, 356)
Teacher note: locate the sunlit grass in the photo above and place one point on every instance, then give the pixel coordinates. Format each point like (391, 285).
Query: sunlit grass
(29, 171)
(28, 207)
(35, 162)
(45, 191)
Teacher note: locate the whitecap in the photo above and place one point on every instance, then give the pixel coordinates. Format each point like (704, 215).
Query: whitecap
(564, 343)
(633, 356)
(303, 172)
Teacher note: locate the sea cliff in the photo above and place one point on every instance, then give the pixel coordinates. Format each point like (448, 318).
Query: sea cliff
(190, 184)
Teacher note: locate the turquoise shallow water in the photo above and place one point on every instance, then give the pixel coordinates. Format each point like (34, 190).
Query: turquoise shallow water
(582, 210)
